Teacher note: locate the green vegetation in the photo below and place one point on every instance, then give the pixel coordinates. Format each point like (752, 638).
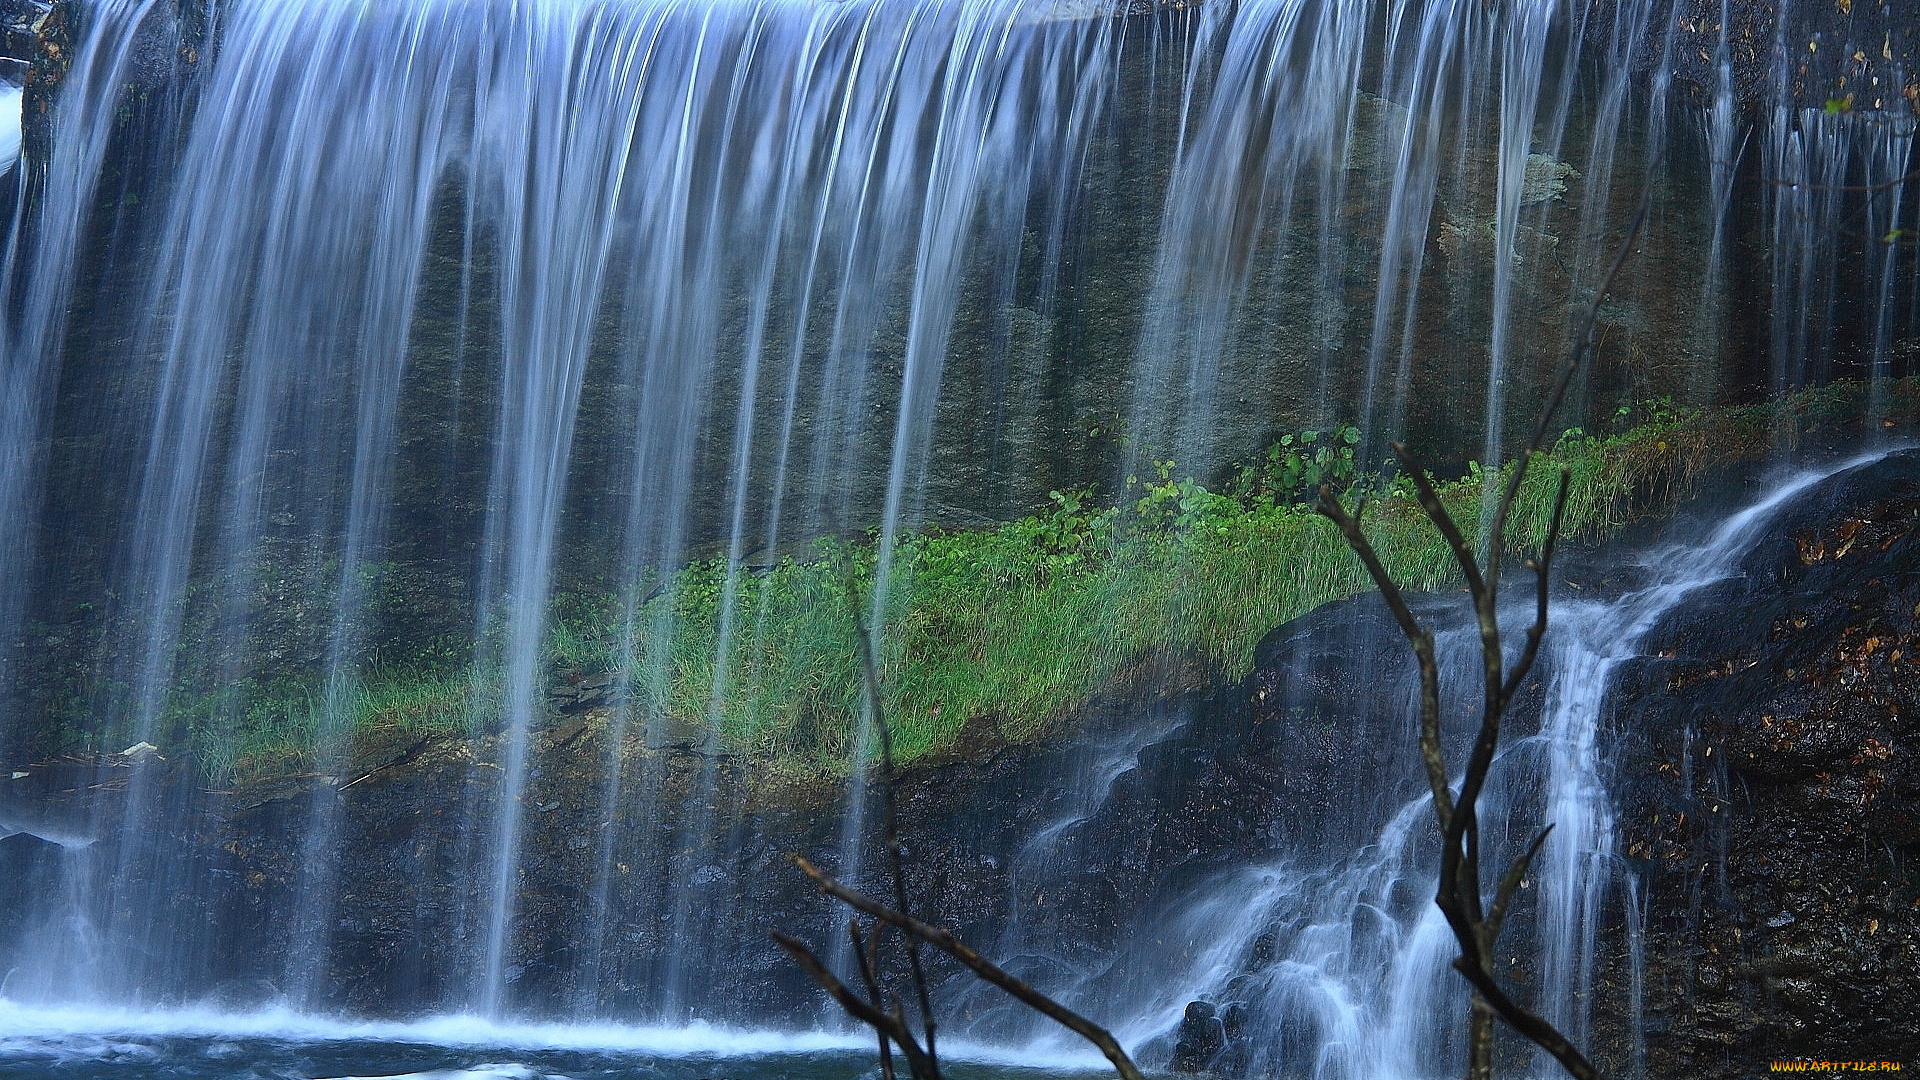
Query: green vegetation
(995, 635)
(279, 729)
(1000, 632)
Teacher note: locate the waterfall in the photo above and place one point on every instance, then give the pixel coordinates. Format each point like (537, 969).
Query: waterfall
(342, 341)
(1334, 958)
(717, 209)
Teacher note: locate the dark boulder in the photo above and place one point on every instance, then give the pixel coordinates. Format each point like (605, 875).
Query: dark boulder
(1769, 750)
(1203, 1035)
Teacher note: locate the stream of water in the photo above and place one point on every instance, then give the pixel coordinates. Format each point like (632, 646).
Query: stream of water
(1340, 958)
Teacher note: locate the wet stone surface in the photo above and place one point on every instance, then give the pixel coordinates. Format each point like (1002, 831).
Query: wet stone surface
(1769, 772)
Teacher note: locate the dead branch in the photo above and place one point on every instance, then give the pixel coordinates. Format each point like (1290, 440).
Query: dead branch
(889, 817)
(881, 1009)
(867, 955)
(891, 1025)
(942, 939)
(1476, 924)
(1459, 895)
(1889, 185)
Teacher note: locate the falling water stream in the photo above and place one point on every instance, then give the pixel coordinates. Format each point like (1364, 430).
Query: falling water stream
(347, 334)
(1339, 958)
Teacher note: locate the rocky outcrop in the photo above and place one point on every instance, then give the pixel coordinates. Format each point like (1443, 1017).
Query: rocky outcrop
(672, 885)
(1769, 770)
(1863, 55)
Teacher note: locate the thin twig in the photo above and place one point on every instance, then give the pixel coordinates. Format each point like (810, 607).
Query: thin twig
(1539, 566)
(944, 940)
(1536, 1030)
(1510, 884)
(891, 1026)
(866, 956)
(1584, 335)
(889, 817)
(1887, 186)
(1421, 639)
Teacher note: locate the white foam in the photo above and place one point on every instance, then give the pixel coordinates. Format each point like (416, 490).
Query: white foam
(42, 1023)
(88, 1031)
(1063, 1054)
(10, 98)
(478, 1072)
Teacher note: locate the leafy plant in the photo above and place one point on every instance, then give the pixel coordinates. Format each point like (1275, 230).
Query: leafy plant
(1294, 467)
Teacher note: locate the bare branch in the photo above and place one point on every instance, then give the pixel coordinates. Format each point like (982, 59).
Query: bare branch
(1536, 1030)
(867, 956)
(1458, 896)
(1479, 1039)
(1510, 884)
(892, 1027)
(1417, 635)
(890, 821)
(1583, 338)
(1887, 186)
(1437, 513)
(944, 940)
(1349, 526)
(1540, 566)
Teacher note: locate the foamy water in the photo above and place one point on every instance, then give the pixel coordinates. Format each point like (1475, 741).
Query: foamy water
(20, 1021)
(37, 1040)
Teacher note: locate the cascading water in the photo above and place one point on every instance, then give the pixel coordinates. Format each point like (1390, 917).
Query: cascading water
(1332, 961)
(807, 173)
(372, 336)
(1321, 117)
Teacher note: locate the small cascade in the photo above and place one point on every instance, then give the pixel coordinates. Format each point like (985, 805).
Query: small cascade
(1032, 943)
(1333, 962)
(58, 867)
(1336, 144)
(1814, 161)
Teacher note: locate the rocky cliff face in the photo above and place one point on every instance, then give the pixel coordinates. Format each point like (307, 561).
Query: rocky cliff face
(1769, 770)
(1859, 55)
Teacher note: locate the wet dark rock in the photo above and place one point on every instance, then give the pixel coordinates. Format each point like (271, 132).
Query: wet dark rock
(1862, 54)
(1202, 1037)
(26, 861)
(245, 995)
(22, 19)
(576, 693)
(1769, 757)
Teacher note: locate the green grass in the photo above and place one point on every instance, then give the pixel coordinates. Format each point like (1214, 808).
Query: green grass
(282, 733)
(1000, 633)
(1003, 631)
